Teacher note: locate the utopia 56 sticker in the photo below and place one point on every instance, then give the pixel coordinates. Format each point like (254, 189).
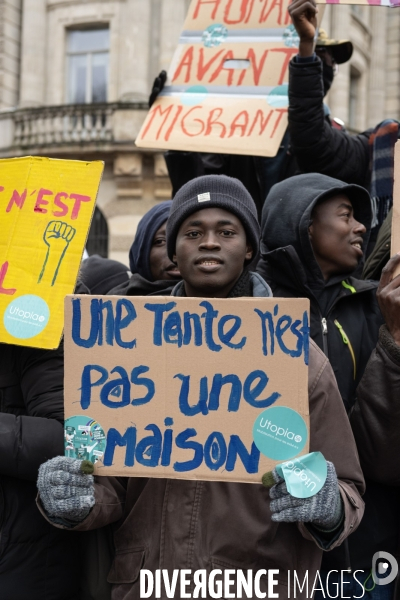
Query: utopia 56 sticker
(84, 439)
(304, 476)
(280, 433)
(26, 316)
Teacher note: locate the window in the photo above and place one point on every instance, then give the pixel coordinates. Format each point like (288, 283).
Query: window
(97, 242)
(87, 57)
(354, 97)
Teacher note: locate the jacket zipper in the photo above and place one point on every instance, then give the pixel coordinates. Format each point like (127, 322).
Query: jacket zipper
(348, 343)
(324, 324)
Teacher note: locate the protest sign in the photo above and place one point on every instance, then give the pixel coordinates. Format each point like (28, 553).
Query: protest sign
(172, 387)
(395, 247)
(47, 206)
(228, 80)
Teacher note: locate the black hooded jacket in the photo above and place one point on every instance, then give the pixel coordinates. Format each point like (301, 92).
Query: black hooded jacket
(37, 561)
(141, 282)
(345, 322)
(316, 145)
(342, 308)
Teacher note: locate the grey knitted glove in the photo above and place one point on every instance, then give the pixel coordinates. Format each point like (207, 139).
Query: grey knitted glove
(65, 491)
(324, 510)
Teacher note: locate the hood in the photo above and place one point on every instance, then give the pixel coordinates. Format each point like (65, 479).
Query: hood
(139, 254)
(287, 212)
(100, 274)
(139, 286)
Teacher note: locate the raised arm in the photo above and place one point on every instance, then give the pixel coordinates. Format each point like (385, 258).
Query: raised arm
(318, 146)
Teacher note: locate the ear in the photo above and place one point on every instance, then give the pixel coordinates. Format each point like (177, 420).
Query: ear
(249, 252)
(310, 230)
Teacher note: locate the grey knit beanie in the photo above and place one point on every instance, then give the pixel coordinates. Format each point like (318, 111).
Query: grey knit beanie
(213, 191)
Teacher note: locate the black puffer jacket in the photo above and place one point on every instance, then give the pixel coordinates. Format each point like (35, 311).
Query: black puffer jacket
(344, 308)
(317, 146)
(37, 561)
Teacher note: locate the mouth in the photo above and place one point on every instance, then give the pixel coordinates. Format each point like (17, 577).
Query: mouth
(208, 263)
(357, 244)
(173, 272)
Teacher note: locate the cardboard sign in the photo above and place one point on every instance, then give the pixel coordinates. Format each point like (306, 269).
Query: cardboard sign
(395, 247)
(171, 387)
(228, 80)
(46, 210)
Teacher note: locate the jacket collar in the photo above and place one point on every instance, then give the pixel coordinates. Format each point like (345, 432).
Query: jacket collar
(285, 269)
(261, 288)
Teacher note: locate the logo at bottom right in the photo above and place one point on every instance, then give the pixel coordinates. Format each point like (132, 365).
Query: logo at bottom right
(383, 562)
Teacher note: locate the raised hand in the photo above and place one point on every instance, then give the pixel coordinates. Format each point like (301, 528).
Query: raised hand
(57, 237)
(304, 17)
(158, 86)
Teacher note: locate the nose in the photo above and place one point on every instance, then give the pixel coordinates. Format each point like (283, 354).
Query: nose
(359, 228)
(210, 241)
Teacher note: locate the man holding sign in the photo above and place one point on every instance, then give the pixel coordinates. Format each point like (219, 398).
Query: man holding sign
(202, 526)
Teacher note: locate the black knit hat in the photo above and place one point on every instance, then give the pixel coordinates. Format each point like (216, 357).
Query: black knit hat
(214, 191)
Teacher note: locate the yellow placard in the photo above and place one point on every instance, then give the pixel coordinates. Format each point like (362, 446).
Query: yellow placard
(46, 206)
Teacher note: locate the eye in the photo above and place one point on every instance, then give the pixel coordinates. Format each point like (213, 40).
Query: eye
(192, 234)
(159, 241)
(228, 233)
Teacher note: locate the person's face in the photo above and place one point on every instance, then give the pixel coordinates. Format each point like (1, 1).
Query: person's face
(160, 265)
(329, 66)
(336, 237)
(211, 248)
(325, 54)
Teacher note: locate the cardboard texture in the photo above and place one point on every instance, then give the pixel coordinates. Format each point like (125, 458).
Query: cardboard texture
(395, 247)
(47, 207)
(157, 399)
(211, 105)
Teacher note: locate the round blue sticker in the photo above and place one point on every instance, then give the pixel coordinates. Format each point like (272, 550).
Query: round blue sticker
(214, 35)
(196, 94)
(278, 97)
(304, 476)
(291, 37)
(280, 433)
(84, 439)
(26, 316)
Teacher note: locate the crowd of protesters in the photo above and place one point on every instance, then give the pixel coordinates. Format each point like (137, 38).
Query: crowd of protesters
(313, 222)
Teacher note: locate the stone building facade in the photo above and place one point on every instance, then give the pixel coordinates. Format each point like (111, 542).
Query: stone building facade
(75, 77)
